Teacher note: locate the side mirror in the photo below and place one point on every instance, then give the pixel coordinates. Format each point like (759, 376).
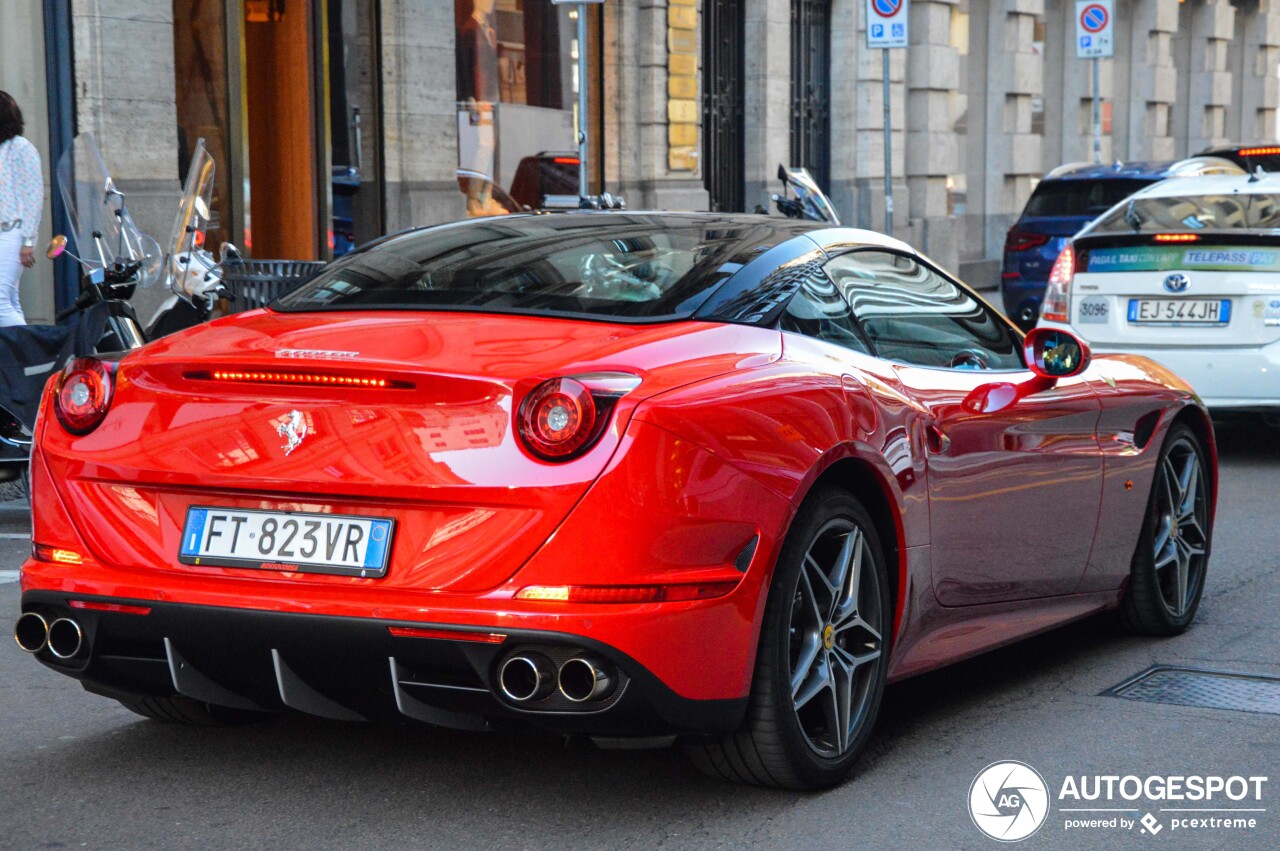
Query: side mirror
(228, 251)
(1052, 353)
(57, 245)
(782, 173)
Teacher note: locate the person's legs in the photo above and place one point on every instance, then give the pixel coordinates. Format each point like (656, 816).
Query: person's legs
(10, 276)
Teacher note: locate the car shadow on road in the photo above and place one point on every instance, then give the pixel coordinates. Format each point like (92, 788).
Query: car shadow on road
(1246, 440)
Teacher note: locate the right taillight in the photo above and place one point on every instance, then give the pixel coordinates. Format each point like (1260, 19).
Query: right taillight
(83, 395)
(1056, 294)
(562, 418)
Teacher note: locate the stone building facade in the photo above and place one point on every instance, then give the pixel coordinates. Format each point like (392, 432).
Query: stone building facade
(988, 97)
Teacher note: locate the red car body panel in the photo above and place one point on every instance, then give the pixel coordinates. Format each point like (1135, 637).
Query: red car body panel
(1006, 512)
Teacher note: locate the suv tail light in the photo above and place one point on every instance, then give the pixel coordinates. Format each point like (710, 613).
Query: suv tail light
(1055, 295)
(1023, 240)
(562, 418)
(83, 395)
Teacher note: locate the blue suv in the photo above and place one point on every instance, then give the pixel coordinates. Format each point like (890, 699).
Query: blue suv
(1067, 199)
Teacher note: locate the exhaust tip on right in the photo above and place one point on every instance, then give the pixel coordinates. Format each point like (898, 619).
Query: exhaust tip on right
(31, 632)
(584, 678)
(65, 638)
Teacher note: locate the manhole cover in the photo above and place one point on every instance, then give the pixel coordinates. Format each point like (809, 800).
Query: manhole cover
(1195, 687)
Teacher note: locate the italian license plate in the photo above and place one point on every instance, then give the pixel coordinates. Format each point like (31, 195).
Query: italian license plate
(287, 541)
(1178, 311)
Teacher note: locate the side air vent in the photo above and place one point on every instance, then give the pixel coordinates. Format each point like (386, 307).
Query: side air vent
(743, 561)
(1145, 428)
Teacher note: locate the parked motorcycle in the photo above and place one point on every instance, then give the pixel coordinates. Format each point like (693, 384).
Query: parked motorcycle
(810, 201)
(193, 274)
(115, 258)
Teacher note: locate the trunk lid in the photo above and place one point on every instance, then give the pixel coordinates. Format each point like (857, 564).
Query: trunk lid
(401, 415)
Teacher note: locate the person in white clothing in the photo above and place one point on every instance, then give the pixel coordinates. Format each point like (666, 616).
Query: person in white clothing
(21, 202)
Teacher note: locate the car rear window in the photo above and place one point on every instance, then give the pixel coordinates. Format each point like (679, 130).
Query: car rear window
(596, 265)
(1183, 213)
(1080, 197)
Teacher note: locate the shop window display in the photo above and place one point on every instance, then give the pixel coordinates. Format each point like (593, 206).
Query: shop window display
(516, 91)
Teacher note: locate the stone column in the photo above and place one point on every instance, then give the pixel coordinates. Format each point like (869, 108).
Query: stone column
(646, 36)
(932, 73)
(125, 96)
(1011, 161)
(857, 123)
(1254, 56)
(767, 119)
(1146, 81)
(1204, 85)
(420, 118)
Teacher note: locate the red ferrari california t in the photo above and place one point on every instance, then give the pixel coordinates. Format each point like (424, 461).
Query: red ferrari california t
(641, 477)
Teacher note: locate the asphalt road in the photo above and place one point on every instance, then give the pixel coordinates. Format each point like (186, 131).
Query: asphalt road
(79, 771)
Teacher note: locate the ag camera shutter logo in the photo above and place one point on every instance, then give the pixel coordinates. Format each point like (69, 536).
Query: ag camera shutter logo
(1008, 801)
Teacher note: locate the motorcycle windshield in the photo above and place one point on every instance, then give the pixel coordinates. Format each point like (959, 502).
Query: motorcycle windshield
(192, 221)
(816, 204)
(105, 233)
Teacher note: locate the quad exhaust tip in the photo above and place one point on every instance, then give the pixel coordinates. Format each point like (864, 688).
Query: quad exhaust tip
(31, 632)
(526, 677)
(65, 638)
(584, 678)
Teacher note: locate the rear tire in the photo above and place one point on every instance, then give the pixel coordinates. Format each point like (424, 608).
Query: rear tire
(183, 710)
(823, 655)
(1169, 566)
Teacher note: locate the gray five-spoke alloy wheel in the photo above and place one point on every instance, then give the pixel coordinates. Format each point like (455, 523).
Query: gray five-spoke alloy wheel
(835, 638)
(1180, 539)
(1167, 575)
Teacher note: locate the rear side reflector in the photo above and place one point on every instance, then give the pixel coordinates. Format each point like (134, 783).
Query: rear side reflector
(446, 634)
(40, 552)
(122, 608)
(314, 379)
(1176, 237)
(625, 593)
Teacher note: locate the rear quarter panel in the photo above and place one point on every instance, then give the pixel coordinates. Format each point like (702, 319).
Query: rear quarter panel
(1140, 399)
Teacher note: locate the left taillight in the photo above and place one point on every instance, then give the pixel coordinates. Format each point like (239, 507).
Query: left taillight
(562, 418)
(83, 395)
(1058, 292)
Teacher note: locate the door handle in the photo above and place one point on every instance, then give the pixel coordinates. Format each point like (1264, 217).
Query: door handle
(936, 439)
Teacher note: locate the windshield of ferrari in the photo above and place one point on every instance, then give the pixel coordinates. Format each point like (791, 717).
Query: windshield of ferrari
(631, 266)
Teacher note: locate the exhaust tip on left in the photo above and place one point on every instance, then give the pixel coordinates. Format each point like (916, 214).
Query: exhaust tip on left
(31, 632)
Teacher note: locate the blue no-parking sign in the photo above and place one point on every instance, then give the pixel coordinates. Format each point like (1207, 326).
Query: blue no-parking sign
(886, 23)
(1095, 22)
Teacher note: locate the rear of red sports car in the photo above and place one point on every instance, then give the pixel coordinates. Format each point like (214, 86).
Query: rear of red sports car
(425, 487)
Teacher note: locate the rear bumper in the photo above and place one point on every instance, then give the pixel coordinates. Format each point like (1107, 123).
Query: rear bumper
(353, 668)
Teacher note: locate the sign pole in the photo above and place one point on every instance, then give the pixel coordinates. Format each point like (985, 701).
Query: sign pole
(584, 186)
(1094, 40)
(888, 153)
(1097, 114)
(887, 28)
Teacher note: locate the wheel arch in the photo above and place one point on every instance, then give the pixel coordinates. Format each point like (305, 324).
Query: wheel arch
(859, 477)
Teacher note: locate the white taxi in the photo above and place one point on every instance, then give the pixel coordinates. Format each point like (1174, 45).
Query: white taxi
(1187, 273)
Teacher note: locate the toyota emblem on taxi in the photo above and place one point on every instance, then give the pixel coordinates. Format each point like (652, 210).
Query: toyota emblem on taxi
(293, 429)
(1177, 282)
